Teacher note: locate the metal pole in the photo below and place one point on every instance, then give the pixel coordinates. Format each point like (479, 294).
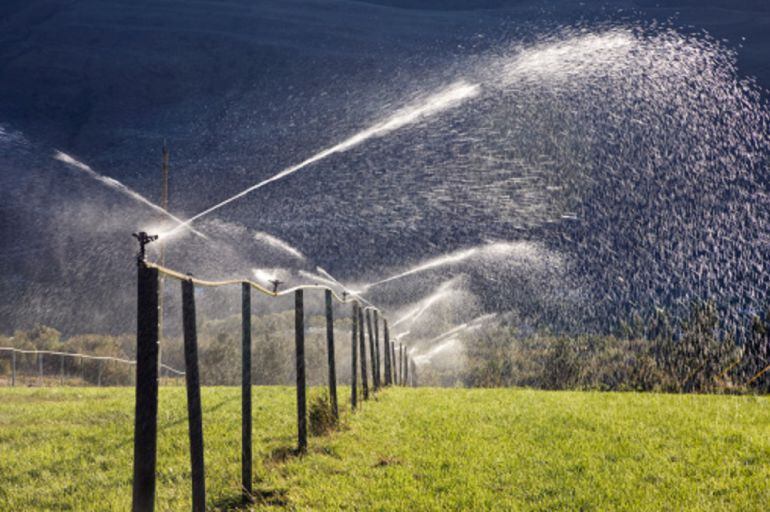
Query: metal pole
(354, 358)
(330, 354)
(13, 368)
(61, 370)
(146, 416)
(372, 349)
(99, 367)
(40, 367)
(194, 413)
(362, 346)
(376, 322)
(385, 345)
(401, 363)
(299, 331)
(246, 444)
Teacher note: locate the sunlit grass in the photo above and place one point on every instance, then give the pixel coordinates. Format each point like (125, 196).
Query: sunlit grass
(410, 449)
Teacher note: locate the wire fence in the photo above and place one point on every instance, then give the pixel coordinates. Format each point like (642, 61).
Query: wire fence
(32, 367)
(376, 362)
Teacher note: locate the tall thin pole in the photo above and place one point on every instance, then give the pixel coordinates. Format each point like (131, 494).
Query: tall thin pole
(354, 358)
(246, 453)
(330, 354)
(146, 416)
(40, 367)
(164, 205)
(13, 368)
(193, 384)
(299, 331)
(362, 346)
(392, 348)
(388, 363)
(406, 366)
(376, 322)
(372, 349)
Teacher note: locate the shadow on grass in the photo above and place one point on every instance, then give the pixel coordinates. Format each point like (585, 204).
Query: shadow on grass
(264, 497)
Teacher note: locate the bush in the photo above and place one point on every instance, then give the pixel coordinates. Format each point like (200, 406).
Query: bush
(320, 414)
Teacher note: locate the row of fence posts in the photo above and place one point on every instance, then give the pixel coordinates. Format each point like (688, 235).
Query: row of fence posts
(62, 373)
(146, 414)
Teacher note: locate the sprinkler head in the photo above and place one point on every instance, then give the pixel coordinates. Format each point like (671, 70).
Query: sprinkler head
(143, 238)
(276, 283)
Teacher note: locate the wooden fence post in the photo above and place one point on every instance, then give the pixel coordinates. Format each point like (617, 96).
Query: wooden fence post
(299, 332)
(99, 369)
(61, 370)
(246, 444)
(392, 348)
(372, 349)
(13, 368)
(146, 415)
(376, 322)
(194, 413)
(354, 358)
(388, 362)
(330, 354)
(362, 346)
(40, 367)
(406, 366)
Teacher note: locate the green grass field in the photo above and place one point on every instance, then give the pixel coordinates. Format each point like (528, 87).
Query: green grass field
(410, 449)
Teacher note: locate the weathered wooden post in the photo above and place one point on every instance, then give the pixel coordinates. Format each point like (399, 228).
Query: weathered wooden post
(246, 444)
(299, 332)
(330, 354)
(146, 415)
(392, 348)
(376, 322)
(13, 368)
(354, 358)
(372, 349)
(388, 363)
(362, 346)
(406, 366)
(192, 380)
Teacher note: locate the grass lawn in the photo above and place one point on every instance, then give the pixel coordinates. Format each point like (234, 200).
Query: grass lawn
(410, 449)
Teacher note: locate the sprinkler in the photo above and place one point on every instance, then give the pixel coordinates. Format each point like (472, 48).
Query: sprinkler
(276, 283)
(143, 239)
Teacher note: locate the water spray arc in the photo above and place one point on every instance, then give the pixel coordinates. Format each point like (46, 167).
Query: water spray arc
(447, 98)
(120, 187)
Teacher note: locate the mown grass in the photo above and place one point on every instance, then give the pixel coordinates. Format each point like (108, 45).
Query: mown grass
(410, 449)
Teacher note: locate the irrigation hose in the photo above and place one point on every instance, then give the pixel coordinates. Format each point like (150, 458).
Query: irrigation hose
(230, 282)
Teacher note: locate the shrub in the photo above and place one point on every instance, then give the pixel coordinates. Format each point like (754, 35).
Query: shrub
(320, 414)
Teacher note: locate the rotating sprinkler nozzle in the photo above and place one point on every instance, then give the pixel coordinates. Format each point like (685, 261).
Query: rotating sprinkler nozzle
(143, 238)
(276, 283)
